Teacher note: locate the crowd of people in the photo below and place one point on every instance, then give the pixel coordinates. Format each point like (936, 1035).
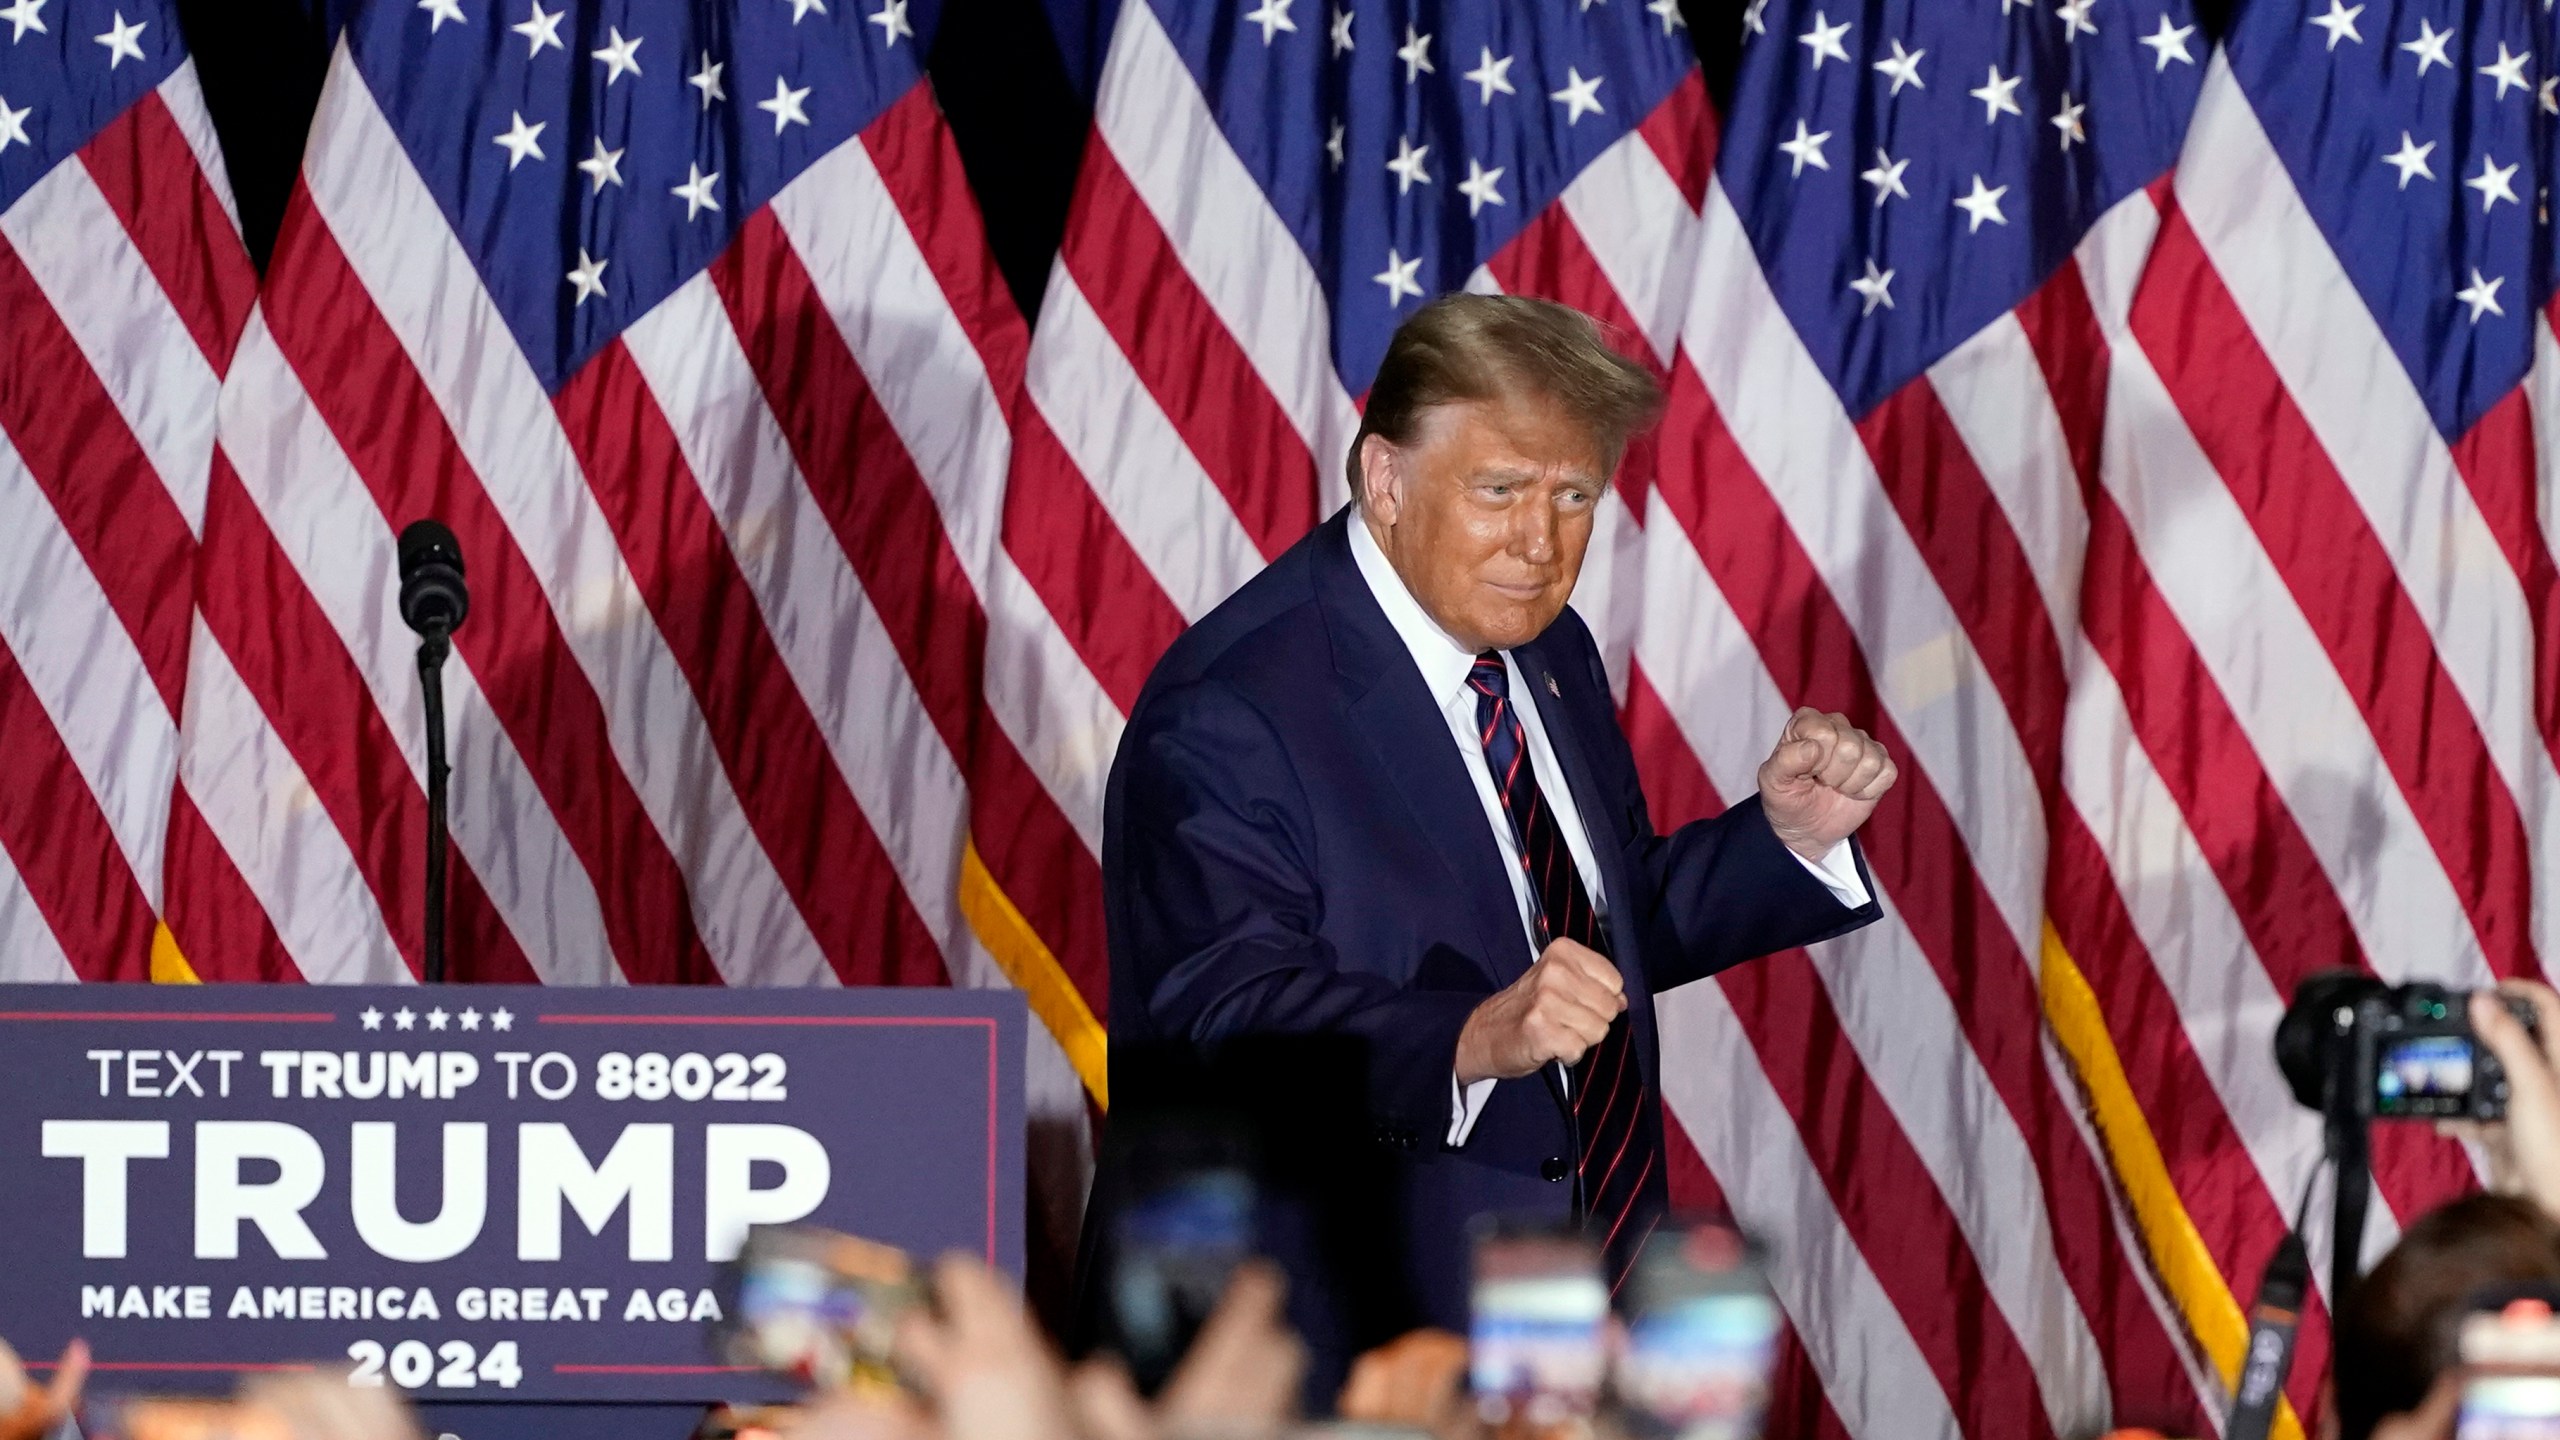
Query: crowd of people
(976, 1364)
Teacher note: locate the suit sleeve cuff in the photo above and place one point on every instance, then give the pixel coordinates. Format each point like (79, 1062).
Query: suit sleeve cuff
(1466, 1102)
(1838, 872)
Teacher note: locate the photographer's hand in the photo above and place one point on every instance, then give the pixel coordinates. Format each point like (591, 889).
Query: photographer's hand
(2525, 1149)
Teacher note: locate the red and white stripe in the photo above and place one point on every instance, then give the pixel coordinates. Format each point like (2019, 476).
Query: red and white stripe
(2221, 700)
(125, 281)
(2308, 727)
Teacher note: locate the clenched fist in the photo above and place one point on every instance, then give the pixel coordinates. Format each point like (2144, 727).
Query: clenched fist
(1822, 782)
(1557, 1011)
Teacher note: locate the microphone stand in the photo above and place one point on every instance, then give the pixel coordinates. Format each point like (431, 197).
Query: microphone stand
(433, 601)
(432, 650)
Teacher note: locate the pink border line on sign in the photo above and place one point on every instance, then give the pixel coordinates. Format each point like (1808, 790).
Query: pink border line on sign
(292, 1018)
(931, 1021)
(655, 1370)
(224, 1367)
(924, 1020)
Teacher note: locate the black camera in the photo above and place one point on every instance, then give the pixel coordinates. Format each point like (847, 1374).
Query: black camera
(2401, 1052)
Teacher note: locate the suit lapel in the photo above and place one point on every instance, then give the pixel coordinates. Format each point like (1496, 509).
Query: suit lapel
(1409, 737)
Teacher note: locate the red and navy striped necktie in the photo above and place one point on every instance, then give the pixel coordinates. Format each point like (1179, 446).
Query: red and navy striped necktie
(1610, 1097)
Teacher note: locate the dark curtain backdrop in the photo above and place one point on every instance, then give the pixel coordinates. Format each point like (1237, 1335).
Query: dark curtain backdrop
(1014, 76)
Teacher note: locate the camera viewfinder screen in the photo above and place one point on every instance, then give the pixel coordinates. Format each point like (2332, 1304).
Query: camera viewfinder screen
(2423, 1074)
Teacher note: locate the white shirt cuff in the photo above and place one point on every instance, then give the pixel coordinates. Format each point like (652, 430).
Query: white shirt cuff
(1466, 1102)
(1838, 872)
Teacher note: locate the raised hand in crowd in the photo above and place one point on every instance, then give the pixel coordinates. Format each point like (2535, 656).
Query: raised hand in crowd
(1239, 1381)
(988, 1372)
(2524, 1150)
(1416, 1381)
(1241, 1376)
(323, 1406)
(29, 1411)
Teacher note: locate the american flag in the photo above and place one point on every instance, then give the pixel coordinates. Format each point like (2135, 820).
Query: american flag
(2142, 437)
(2314, 723)
(123, 287)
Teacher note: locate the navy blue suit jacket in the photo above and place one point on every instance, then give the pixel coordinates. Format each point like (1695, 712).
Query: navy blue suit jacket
(1292, 846)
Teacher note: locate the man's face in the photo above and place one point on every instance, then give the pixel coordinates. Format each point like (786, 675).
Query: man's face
(1486, 515)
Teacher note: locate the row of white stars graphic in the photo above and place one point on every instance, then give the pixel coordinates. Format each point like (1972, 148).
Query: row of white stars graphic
(541, 29)
(123, 42)
(405, 1018)
(1274, 19)
(2339, 23)
(1826, 41)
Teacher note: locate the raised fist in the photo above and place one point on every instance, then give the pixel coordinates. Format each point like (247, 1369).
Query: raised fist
(1557, 1011)
(1822, 782)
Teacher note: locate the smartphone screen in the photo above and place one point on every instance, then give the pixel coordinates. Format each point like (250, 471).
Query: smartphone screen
(820, 1306)
(1538, 1342)
(2510, 1407)
(2511, 1359)
(1702, 1337)
(1179, 1242)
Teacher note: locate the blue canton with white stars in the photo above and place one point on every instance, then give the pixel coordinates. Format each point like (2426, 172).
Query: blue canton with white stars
(1403, 142)
(68, 68)
(593, 155)
(2419, 135)
(1910, 170)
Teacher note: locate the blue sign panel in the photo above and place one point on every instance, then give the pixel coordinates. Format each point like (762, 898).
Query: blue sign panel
(483, 1192)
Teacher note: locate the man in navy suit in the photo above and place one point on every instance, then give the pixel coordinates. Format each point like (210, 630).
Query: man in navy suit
(1379, 798)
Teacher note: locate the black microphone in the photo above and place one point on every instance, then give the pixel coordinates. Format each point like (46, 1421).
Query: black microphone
(433, 600)
(433, 597)
(2282, 1293)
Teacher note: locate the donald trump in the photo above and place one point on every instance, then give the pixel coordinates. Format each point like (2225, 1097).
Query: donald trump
(1381, 795)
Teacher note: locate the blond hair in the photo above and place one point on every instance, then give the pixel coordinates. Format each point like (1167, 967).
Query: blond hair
(1464, 347)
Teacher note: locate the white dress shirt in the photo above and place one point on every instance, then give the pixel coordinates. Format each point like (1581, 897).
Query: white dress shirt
(1445, 664)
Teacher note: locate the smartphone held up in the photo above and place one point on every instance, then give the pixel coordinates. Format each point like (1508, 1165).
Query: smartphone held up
(1683, 1351)
(2510, 1350)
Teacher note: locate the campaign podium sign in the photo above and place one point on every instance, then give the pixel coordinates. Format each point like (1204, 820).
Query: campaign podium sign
(509, 1193)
